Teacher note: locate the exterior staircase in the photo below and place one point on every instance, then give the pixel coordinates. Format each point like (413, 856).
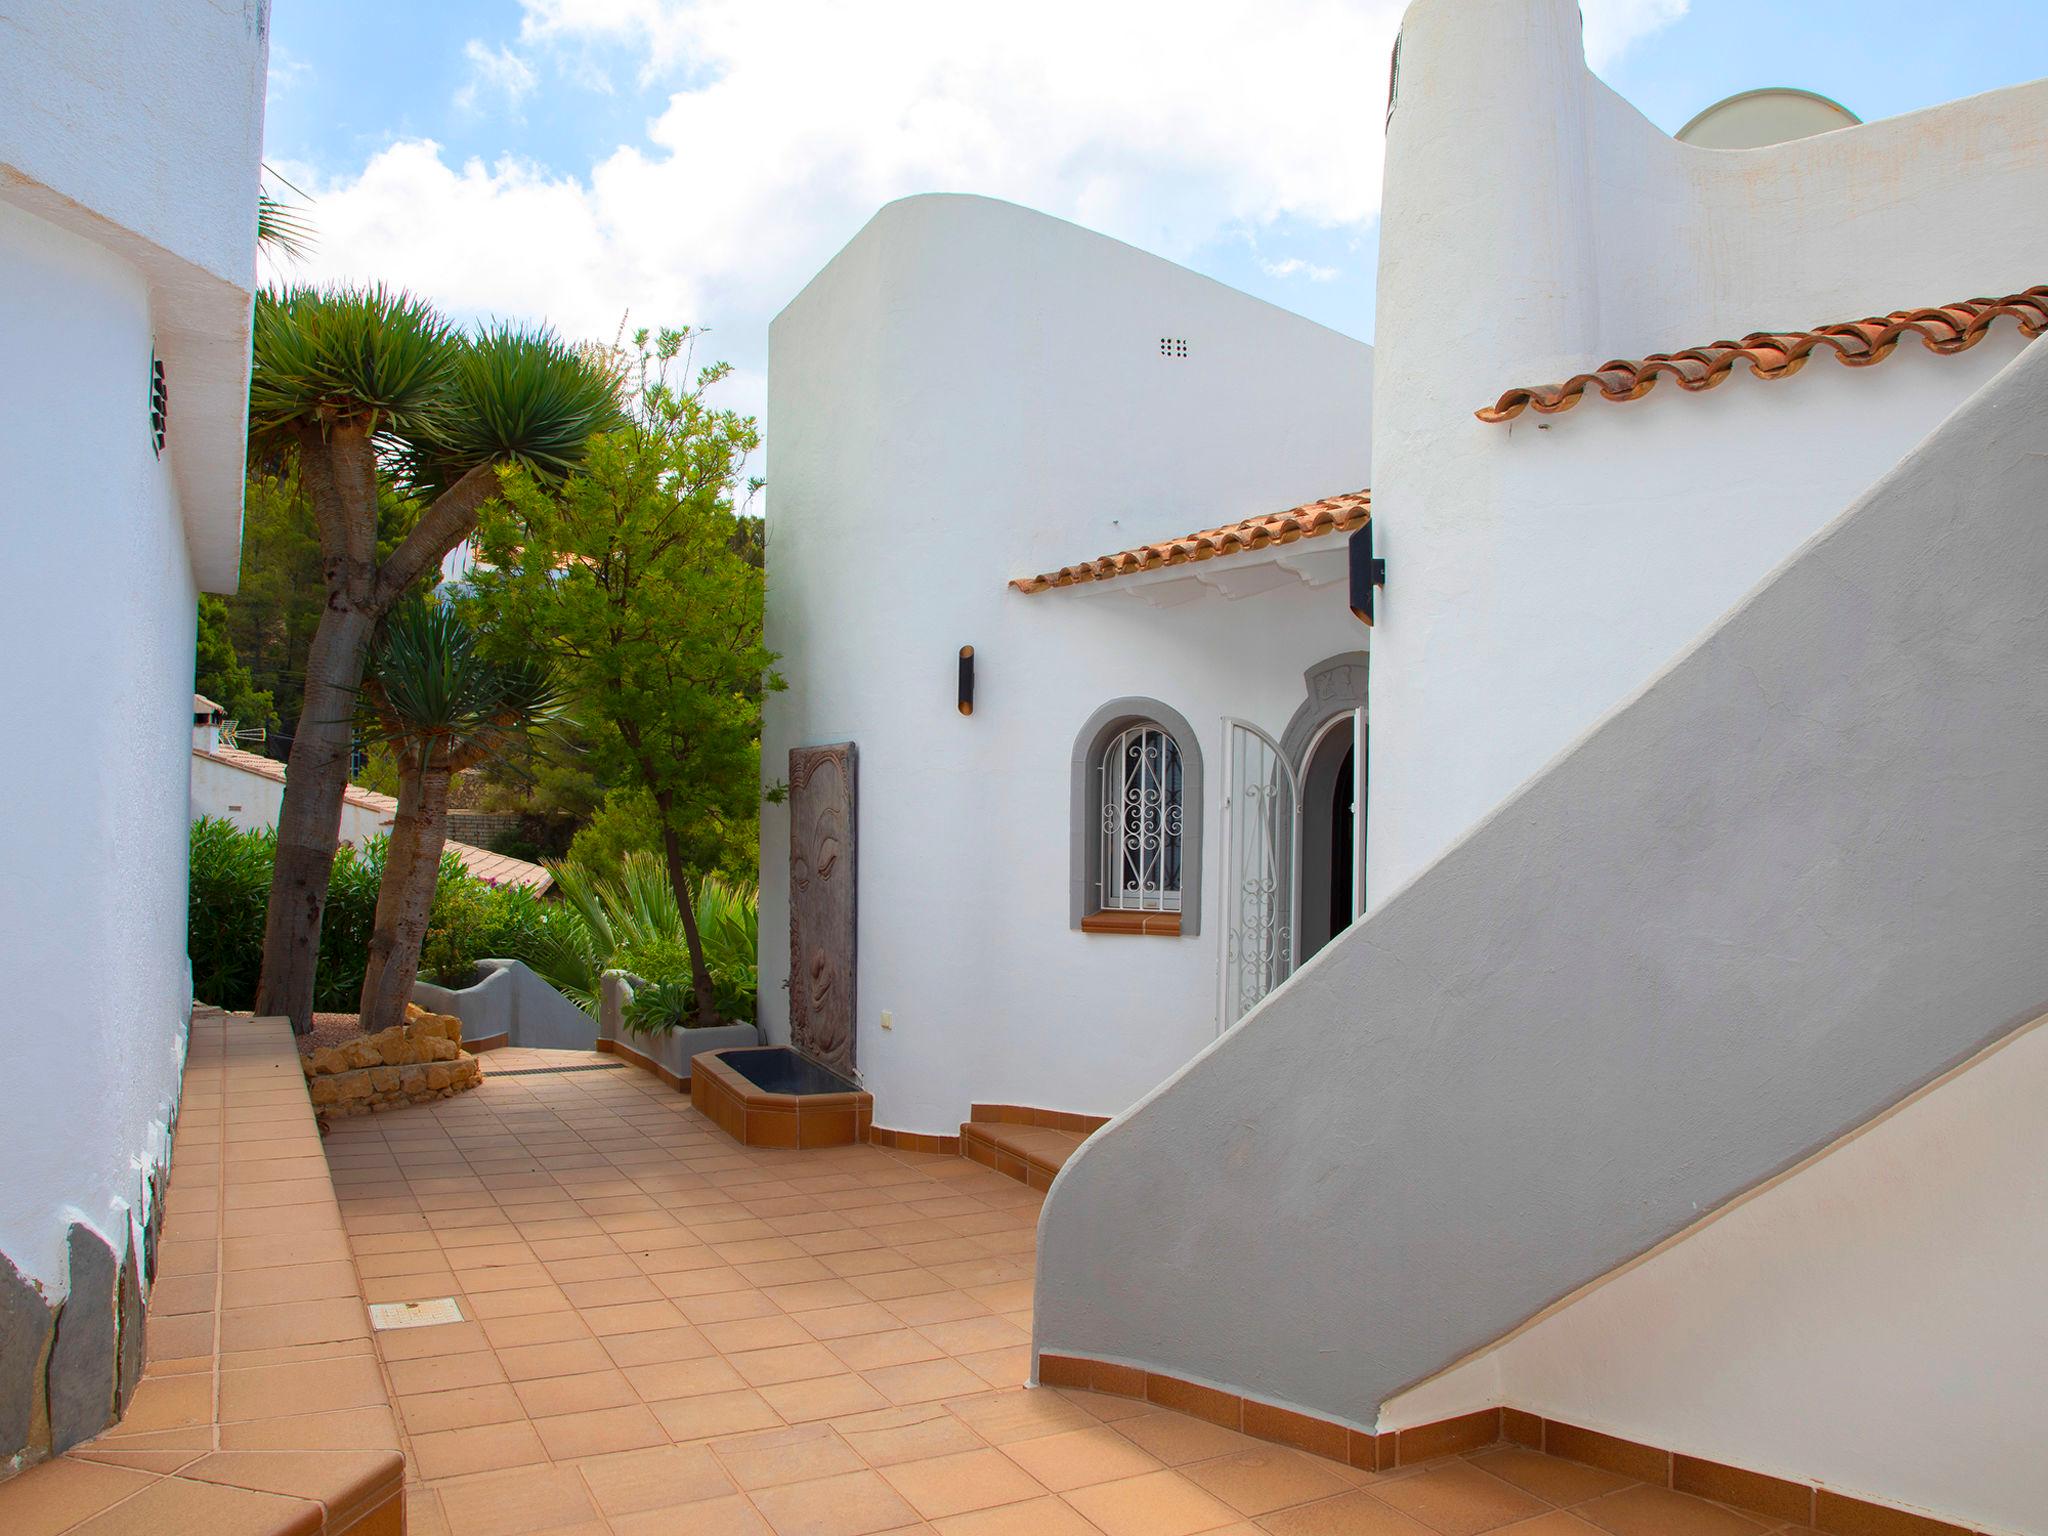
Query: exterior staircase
(1028, 1145)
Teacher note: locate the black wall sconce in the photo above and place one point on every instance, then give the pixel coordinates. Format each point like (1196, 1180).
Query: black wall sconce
(1367, 571)
(966, 679)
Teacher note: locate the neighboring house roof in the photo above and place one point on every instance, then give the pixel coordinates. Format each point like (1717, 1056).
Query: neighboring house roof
(493, 868)
(204, 708)
(1778, 354)
(1333, 514)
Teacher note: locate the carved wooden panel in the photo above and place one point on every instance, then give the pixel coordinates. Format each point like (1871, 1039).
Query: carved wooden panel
(821, 904)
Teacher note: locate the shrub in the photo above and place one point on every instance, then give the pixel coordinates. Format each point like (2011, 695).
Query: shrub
(230, 886)
(630, 923)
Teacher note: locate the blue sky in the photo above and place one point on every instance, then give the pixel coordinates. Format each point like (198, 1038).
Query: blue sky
(698, 160)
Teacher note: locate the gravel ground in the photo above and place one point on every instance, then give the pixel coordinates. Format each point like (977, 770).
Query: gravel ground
(330, 1029)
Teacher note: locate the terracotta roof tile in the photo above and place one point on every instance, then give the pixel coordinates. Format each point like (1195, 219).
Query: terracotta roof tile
(1779, 354)
(1333, 514)
(494, 868)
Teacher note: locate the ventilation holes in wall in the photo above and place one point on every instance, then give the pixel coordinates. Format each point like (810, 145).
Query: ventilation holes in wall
(159, 403)
(1173, 346)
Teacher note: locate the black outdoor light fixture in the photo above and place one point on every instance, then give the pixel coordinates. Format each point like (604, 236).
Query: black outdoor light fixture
(1367, 571)
(966, 679)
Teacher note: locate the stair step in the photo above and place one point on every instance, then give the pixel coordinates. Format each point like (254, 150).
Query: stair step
(1030, 1154)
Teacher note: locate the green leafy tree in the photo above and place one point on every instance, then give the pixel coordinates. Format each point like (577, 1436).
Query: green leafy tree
(348, 383)
(219, 672)
(440, 706)
(633, 574)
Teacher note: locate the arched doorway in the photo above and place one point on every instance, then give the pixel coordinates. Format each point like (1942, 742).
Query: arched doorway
(1332, 844)
(1326, 743)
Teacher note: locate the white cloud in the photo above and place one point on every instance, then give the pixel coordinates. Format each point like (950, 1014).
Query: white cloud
(497, 72)
(1612, 25)
(1295, 266)
(1164, 123)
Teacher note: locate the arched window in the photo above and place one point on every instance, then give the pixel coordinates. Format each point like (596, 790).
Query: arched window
(1140, 795)
(1137, 808)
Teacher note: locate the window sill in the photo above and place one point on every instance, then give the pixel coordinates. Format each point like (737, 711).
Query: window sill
(1165, 925)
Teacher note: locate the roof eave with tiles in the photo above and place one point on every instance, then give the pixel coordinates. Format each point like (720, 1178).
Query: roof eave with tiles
(1947, 329)
(1333, 514)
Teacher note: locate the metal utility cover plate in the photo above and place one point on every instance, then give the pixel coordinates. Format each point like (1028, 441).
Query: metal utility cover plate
(414, 1314)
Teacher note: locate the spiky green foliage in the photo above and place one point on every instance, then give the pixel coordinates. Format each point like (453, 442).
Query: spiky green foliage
(517, 397)
(433, 697)
(631, 922)
(329, 356)
(282, 228)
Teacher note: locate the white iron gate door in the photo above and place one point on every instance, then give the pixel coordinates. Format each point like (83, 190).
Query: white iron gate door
(1261, 843)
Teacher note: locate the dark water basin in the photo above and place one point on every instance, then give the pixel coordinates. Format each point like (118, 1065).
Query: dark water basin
(778, 1069)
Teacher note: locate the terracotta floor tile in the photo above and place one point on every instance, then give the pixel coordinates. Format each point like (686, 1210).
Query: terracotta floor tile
(924, 1381)
(966, 1480)
(823, 1397)
(172, 1506)
(1549, 1477)
(629, 1481)
(343, 1429)
(315, 1386)
(1458, 1499)
(772, 1457)
(599, 1431)
(971, 1335)
(681, 1342)
(1177, 1439)
(1266, 1478)
(439, 1339)
(516, 1503)
(750, 1333)
(851, 1504)
(631, 1317)
(535, 1328)
(444, 1373)
(1646, 1511)
(1033, 1517)
(463, 1408)
(715, 1413)
(884, 1443)
(1157, 1504)
(1024, 1414)
(1078, 1457)
(682, 1378)
(1559, 1522)
(729, 1516)
(873, 1351)
(571, 1357)
(855, 1318)
(286, 1283)
(1349, 1514)
(551, 1395)
(485, 1448)
(789, 1362)
(57, 1495)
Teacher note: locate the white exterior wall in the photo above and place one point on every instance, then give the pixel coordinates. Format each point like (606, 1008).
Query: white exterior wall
(252, 801)
(1854, 1323)
(100, 621)
(129, 144)
(972, 392)
(1534, 226)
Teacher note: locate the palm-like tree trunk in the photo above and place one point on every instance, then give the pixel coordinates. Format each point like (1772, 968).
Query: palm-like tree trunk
(700, 973)
(405, 899)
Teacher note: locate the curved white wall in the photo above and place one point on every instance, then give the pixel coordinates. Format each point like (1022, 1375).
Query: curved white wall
(100, 624)
(968, 393)
(1536, 225)
(1872, 1322)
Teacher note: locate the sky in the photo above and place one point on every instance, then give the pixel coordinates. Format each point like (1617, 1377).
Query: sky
(598, 163)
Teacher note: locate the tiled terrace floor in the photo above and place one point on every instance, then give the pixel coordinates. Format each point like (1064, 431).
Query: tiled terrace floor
(671, 1333)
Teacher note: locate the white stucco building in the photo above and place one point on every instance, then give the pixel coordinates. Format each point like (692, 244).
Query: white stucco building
(970, 399)
(129, 143)
(1670, 1098)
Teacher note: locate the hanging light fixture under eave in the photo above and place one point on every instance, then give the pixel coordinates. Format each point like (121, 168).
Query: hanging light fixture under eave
(1367, 571)
(966, 679)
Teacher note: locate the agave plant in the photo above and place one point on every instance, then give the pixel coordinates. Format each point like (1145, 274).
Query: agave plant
(362, 385)
(632, 923)
(441, 706)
